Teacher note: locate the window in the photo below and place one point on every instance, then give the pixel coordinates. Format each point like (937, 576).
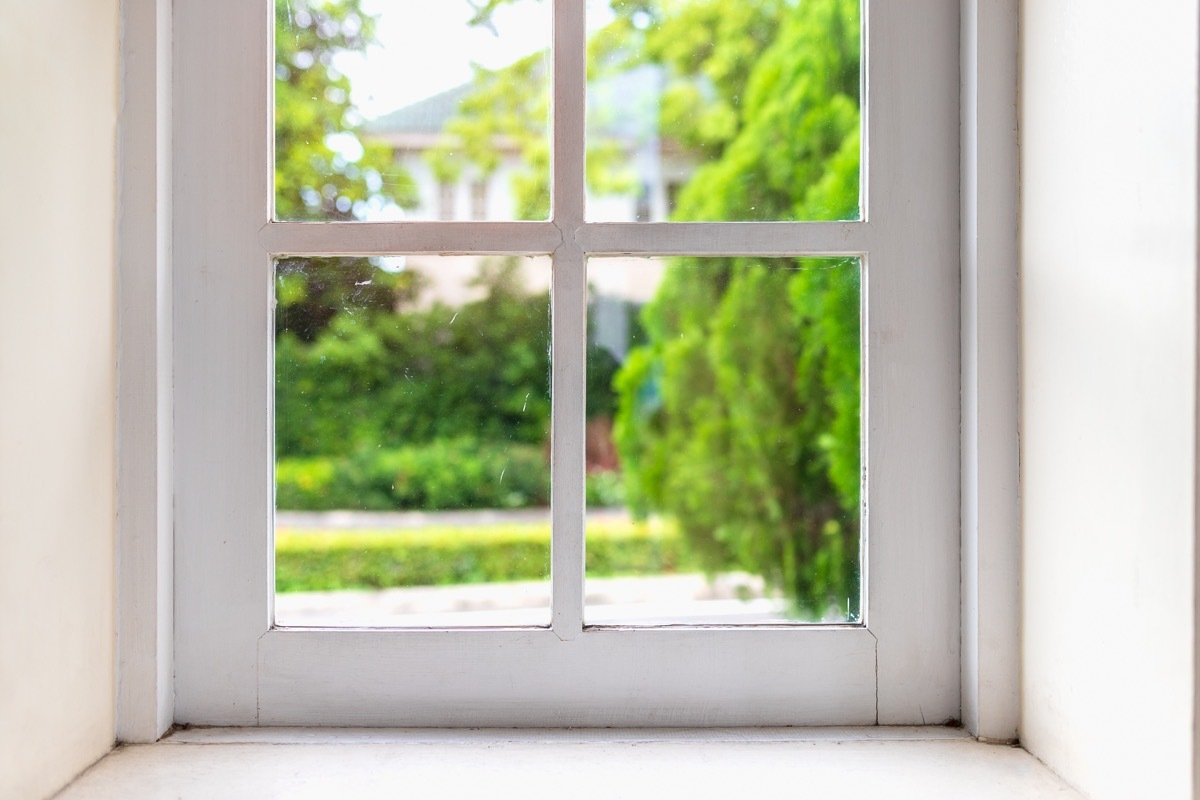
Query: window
(899, 665)
(479, 199)
(446, 199)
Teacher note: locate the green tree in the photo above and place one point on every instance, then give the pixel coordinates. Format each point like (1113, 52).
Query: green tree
(741, 414)
(314, 180)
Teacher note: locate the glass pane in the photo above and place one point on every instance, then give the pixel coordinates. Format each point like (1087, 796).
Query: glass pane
(410, 109)
(723, 444)
(412, 419)
(709, 110)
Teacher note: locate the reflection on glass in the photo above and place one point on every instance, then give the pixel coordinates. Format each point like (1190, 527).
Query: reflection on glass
(710, 111)
(409, 109)
(723, 443)
(412, 406)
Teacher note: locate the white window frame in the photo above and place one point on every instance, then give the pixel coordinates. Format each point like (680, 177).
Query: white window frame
(900, 667)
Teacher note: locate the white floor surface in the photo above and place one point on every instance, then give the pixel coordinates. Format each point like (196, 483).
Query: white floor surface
(346, 764)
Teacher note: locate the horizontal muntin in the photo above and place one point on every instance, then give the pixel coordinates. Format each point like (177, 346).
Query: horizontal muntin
(540, 238)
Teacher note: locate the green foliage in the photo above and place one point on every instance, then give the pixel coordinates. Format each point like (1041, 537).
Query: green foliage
(313, 180)
(709, 48)
(442, 474)
(390, 380)
(799, 127)
(385, 559)
(310, 292)
(326, 561)
(740, 416)
(312, 104)
(605, 489)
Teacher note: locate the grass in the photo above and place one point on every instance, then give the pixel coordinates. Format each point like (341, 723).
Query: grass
(444, 555)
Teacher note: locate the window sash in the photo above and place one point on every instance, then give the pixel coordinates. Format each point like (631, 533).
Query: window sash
(900, 666)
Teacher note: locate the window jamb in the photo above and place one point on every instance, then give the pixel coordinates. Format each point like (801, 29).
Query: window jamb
(144, 524)
(990, 469)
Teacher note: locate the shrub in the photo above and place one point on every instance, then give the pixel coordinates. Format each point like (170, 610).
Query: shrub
(605, 489)
(442, 474)
(417, 375)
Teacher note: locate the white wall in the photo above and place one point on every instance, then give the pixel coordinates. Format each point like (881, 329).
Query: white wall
(1108, 294)
(57, 166)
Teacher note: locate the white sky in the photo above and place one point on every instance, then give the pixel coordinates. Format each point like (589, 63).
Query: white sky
(426, 47)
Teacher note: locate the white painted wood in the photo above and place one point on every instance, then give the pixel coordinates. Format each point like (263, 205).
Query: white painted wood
(539, 238)
(485, 736)
(569, 332)
(990, 375)
(145, 692)
(391, 238)
(222, 368)
(726, 238)
(911, 412)
(601, 765)
(568, 109)
(569, 317)
(644, 678)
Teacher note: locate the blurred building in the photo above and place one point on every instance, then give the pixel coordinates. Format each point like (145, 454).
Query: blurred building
(623, 115)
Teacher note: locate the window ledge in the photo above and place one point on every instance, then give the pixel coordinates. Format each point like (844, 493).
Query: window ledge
(896, 763)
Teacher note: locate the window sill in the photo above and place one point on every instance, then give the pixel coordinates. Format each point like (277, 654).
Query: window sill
(896, 763)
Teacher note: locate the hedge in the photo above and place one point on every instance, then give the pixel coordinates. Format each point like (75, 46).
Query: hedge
(442, 474)
(332, 560)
